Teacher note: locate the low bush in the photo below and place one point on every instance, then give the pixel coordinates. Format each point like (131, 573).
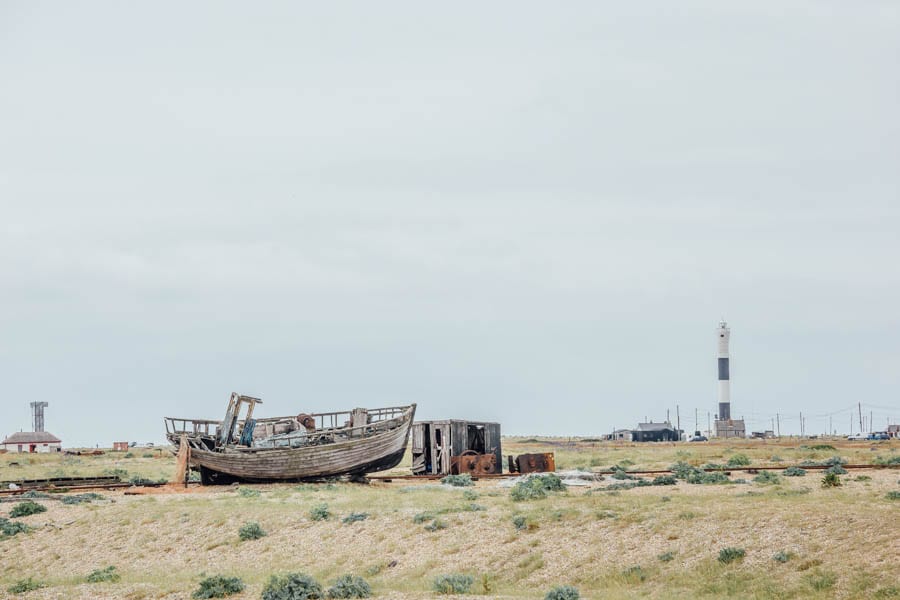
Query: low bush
(893, 495)
(863, 478)
(319, 512)
(666, 557)
(682, 470)
(10, 528)
(776, 458)
(108, 574)
(619, 473)
(35, 495)
(782, 556)
(836, 469)
(710, 478)
(730, 555)
(422, 517)
(349, 586)
(831, 480)
(29, 507)
(794, 472)
(25, 585)
(767, 478)
(520, 522)
(819, 447)
(120, 473)
(218, 586)
(536, 486)
(821, 580)
(355, 517)
(470, 495)
(894, 460)
(455, 583)
(292, 586)
(436, 525)
(739, 460)
(251, 531)
(563, 592)
(664, 480)
(464, 480)
(129, 455)
(81, 498)
(715, 467)
(245, 492)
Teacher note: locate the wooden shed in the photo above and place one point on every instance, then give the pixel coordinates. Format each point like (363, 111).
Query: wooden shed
(438, 446)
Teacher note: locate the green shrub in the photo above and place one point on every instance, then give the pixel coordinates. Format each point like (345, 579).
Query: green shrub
(473, 507)
(354, 517)
(29, 507)
(129, 455)
(319, 512)
(251, 531)
(34, 495)
(634, 574)
(683, 470)
(782, 556)
(245, 492)
(520, 522)
(729, 555)
(349, 586)
(422, 517)
(894, 460)
(836, 469)
(893, 495)
(103, 575)
(563, 592)
(436, 525)
(463, 480)
(455, 583)
(25, 585)
(470, 495)
(767, 478)
(293, 586)
(712, 478)
(81, 498)
(10, 528)
(536, 486)
(794, 472)
(739, 460)
(619, 473)
(120, 473)
(715, 467)
(664, 480)
(831, 480)
(776, 458)
(863, 478)
(835, 460)
(218, 586)
(666, 556)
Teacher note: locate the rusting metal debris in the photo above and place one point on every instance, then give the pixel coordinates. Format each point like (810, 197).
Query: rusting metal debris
(474, 464)
(532, 463)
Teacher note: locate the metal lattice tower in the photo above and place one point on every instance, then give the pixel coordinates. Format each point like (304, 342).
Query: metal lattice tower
(37, 415)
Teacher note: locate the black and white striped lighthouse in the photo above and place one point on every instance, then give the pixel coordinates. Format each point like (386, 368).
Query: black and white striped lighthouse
(724, 334)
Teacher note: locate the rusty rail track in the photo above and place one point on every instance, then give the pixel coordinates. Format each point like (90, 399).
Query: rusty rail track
(746, 469)
(66, 484)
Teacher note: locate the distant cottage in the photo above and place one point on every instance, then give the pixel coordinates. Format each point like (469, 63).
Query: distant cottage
(655, 432)
(32, 441)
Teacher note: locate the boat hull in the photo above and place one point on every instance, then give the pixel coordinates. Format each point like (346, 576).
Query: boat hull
(355, 457)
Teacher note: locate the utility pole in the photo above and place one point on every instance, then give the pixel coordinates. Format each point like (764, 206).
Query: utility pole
(871, 423)
(778, 424)
(708, 424)
(678, 418)
(667, 416)
(801, 425)
(859, 404)
(696, 422)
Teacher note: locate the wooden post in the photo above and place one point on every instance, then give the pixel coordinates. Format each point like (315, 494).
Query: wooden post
(181, 466)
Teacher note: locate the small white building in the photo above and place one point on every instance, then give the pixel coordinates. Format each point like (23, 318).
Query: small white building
(32, 441)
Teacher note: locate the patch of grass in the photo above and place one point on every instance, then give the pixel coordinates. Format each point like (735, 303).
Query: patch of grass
(634, 574)
(319, 512)
(821, 580)
(666, 556)
(245, 492)
(24, 509)
(218, 586)
(775, 458)
(292, 586)
(794, 472)
(355, 517)
(129, 455)
(422, 517)
(463, 480)
(782, 556)
(470, 495)
(108, 574)
(893, 495)
(455, 583)
(563, 592)
(863, 478)
(892, 591)
(520, 522)
(25, 585)
(81, 498)
(251, 531)
(894, 460)
(349, 586)
(739, 460)
(664, 480)
(731, 554)
(767, 478)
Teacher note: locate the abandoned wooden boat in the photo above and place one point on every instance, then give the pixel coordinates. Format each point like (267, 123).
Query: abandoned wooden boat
(308, 446)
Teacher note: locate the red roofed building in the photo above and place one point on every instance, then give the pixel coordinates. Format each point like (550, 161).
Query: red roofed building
(32, 441)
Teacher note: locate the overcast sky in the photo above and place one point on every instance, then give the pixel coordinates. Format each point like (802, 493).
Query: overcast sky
(525, 212)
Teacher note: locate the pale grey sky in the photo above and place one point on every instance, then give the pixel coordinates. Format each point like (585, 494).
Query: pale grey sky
(519, 211)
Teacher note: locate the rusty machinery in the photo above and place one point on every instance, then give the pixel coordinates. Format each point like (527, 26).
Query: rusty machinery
(532, 463)
(474, 464)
